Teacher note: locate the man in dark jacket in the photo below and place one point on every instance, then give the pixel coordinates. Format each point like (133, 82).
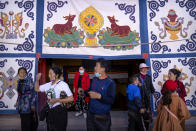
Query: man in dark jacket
(146, 89)
(102, 94)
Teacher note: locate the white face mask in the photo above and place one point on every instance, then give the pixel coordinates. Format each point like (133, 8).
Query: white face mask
(81, 71)
(97, 74)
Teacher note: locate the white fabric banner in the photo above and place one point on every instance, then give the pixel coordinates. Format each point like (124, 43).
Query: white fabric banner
(86, 27)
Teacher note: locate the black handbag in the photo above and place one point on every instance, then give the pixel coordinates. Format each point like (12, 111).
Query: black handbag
(66, 105)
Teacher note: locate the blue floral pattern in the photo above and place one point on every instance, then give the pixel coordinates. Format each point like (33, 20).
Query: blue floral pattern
(190, 45)
(191, 102)
(157, 65)
(2, 5)
(129, 9)
(3, 48)
(26, 96)
(2, 63)
(28, 5)
(2, 105)
(158, 95)
(154, 6)
(190, 6)
(27, 45)
(52, 6)
(156, 46)
(191, 62)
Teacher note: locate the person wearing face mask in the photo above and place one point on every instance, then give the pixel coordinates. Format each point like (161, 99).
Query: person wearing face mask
(57, 114)
(81, 84)
(26, 102)
(146, 89)
(102, 94)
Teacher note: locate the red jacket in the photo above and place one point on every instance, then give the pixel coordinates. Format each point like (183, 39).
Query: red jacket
(85, 84)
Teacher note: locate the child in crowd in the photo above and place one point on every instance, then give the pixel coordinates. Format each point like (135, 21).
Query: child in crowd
(135, 107)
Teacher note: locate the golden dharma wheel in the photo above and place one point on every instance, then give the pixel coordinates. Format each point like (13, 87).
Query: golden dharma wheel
(91, 21)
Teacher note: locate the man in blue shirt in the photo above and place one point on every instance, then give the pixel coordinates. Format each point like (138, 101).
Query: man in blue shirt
(102, 94)
(135, 107)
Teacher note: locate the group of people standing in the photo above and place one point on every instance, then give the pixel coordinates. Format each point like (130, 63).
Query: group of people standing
(139, 95)
(171, 111)
(94, 99)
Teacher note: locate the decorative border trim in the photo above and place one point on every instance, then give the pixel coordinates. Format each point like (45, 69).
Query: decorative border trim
(27, 45)
(158, 95)
(52, 6)
(2, 105)
(28, 6)
(191, 63)
(156, 47)
(2, 5)
(2, 63)
(144, 27)
(157, 65)
(190, 7)
(3, 48)
(129, 9)
(190, 45)
(191, 102)
(154, 6)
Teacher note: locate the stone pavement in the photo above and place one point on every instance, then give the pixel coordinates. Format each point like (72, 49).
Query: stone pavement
(11, 122)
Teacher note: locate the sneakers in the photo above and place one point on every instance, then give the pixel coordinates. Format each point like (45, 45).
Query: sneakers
(78, 113)
(85, 115)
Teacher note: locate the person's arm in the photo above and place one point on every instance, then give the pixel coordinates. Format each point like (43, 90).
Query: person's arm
(65, 100)
(36, 88)
(111, 92)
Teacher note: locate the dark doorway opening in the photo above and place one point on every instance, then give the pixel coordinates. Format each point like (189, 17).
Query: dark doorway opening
(120, 71)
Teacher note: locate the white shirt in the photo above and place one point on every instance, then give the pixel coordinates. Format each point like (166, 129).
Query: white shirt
(53, 91)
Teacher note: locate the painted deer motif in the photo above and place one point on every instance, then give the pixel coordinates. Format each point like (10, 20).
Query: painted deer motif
(62, 29)
(121, 31)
